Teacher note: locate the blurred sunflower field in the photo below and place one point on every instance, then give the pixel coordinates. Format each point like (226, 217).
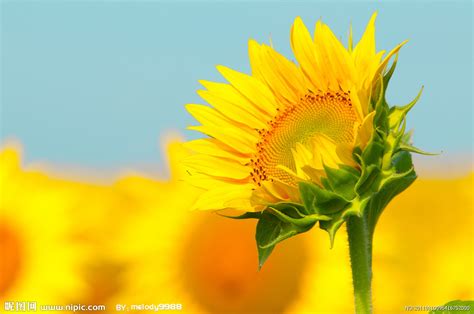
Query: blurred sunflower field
(94, 219)
(134, 244)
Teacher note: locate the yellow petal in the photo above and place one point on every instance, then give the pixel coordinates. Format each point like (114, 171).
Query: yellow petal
(314, 174)
(217, 167)
(365, 49)
(232, 196)
(324, 152)
(371, 74)
(257, 92)
(304, 50)
(292, 191)
(361, 108)
(288, 70)
(232, 95)
(275, 191)
(261, 197)
(334, 59)
(254, 57)
(209, 116)
(229, 107)
(203, 181)
(344, 152)
(302, 156)
(292, 173)
(271, 68)
(350, 43)
(241, 142)
(389, 56)
(215, 148)
(365, 130)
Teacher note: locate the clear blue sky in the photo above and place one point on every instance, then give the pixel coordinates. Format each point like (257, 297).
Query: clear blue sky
(97, 83)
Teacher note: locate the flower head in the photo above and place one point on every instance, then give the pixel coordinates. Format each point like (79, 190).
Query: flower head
(39, 262)
(287, 121)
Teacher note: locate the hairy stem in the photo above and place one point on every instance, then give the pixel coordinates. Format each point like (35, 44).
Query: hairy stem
(360, 249)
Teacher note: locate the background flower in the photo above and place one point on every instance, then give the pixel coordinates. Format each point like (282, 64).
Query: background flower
(142, 245)
(40, 259)
(200, 260)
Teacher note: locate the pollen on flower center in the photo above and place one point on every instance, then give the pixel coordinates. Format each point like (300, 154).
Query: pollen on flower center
(329, 113)
(10, 263)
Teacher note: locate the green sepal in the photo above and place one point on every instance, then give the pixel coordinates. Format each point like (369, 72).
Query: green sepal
(321, 201)
(350, 169)
(406, 145)
(396, 137)
(366, 183)
(356, 155)
(381, 108)
(413, 149)
(407, 137)
(332, 226)
(280, 232)
(341, 180)
(380, 118)
(326, 184)
(268, 228)
(247, 215)
(302, 222)
(455, 307)
(398, 113)
(279, 222)
(291, 226)
(402, 162)
(388, 75)
(293, 210)
(373, 153)
(377, 93)
(307, 196)
(401, 176)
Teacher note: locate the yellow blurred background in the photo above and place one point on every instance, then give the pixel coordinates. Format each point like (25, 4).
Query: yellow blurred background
(134, 242)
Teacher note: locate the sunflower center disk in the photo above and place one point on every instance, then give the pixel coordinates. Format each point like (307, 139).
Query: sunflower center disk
(329, 113)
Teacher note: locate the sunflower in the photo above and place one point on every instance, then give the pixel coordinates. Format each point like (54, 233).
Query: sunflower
(98, 216)
(200, 260)
(285, 122)
(40, 262)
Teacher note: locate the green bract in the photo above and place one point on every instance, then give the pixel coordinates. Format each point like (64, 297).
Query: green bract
(454, 307)
(384, 170)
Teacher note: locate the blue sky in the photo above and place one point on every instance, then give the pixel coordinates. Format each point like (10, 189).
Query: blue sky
(97, 84)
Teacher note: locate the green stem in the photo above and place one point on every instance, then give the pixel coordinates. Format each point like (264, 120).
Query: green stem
(360, 249)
